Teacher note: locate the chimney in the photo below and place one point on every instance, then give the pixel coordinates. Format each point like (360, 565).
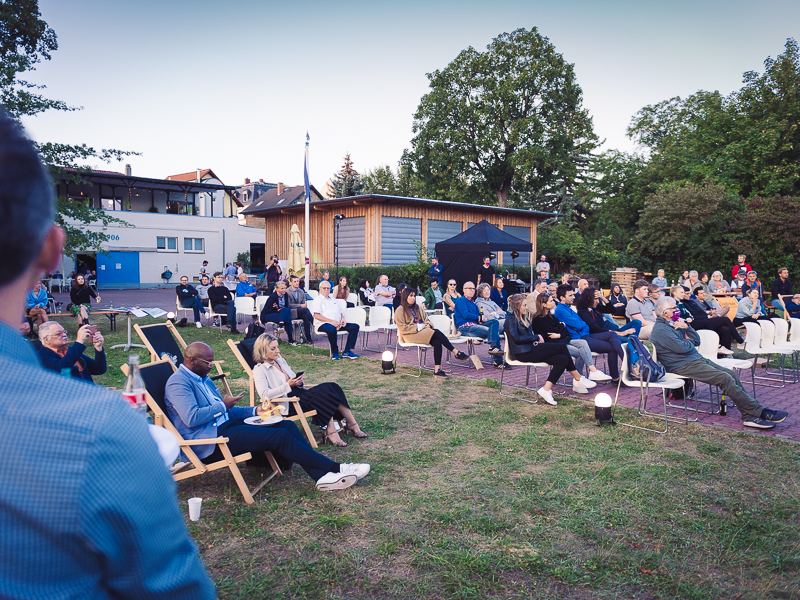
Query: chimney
(246, 180)
(198, 174)
(128, 170)
(260, 181)
(280, 188)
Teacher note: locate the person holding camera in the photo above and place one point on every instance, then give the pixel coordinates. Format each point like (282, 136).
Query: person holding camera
(56, 353)
(274, 273)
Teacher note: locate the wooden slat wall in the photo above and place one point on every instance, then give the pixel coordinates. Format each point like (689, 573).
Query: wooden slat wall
(278, 225)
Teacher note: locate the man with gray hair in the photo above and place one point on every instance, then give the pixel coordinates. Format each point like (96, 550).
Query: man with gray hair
(676, 346)
(87, 507)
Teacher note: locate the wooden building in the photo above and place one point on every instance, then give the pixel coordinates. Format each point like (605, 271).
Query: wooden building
(377, 229)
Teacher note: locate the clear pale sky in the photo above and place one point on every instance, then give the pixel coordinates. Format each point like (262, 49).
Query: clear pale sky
(234, 86)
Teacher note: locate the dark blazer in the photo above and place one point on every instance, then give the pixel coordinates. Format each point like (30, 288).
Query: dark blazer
(519, 338)
(51, 360)
(549, 324)
(595, 320)
(697, 311)
(271, 306)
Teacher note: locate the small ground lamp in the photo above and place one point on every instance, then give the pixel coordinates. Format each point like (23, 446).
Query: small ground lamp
(602, 409)
(387, 362)
(171, 316)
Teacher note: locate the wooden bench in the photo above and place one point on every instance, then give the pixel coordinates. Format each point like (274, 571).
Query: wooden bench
(110, 314)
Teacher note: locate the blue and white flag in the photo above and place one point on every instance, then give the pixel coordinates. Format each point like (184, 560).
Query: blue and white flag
(305, 171)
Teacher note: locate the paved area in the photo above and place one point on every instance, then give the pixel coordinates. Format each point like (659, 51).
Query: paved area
(787, 398)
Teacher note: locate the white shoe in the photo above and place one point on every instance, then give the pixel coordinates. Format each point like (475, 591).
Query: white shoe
(587, 383)
(199, 324)
(724, 350)
(335, 481)
(599, 376)
(579, 389)
(360, 470)
(547, 395)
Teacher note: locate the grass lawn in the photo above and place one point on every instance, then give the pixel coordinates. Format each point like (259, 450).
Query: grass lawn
(475, 496)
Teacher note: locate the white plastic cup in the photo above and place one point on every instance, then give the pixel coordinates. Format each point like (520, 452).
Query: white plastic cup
(194, 508)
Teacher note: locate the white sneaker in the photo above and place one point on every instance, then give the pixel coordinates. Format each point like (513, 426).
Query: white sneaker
(587, 383)
(599, 376)
(724, 350)
(335, 481)
(360, 470)
(199, 324)
(579, 389)
(547, 395)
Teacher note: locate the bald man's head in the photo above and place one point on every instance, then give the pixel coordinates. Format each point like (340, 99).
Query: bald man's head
(198, 358)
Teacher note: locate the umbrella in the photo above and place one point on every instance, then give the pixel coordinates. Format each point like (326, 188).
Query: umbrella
(296, 253)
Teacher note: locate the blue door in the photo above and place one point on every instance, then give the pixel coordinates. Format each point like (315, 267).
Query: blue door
(118, 271)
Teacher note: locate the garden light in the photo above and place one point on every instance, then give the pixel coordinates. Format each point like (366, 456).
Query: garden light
(602, 409)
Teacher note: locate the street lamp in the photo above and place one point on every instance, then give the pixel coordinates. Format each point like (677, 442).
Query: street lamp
(337, 220)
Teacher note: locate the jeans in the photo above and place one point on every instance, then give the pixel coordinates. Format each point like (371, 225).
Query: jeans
(352, 336)
(634, 324)
(579, 350)
(196, 306)
(788, 305)
(308, 320)
(284, 316)
(282, 438)
(229, 309)
(708, 372)
(489, 331)
(607, 343)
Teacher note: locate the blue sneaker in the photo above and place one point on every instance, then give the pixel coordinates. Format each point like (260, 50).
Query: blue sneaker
(349, 354)
(335, 356)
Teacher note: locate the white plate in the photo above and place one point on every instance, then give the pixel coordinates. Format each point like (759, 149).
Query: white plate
(259, 421)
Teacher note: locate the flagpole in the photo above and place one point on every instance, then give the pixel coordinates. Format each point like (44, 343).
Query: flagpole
(307, 226)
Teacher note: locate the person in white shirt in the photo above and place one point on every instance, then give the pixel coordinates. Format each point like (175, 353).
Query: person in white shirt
(384, 293)
(543, 265)
(328, 312)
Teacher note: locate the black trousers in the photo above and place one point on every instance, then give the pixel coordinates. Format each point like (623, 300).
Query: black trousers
(723, 327)
(738, 322)
(555, 355)
(437, 341)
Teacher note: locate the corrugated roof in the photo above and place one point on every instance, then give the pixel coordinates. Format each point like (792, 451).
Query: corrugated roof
(270, 199)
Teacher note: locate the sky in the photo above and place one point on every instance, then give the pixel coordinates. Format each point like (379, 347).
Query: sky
(234, 86)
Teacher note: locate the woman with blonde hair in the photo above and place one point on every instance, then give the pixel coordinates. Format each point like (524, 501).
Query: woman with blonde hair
(718, 285)
(274, 378)
(526, 346)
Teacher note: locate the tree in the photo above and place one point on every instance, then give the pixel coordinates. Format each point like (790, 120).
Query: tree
(347, 182)
(26, 40)
(502, 126)
(381, 180)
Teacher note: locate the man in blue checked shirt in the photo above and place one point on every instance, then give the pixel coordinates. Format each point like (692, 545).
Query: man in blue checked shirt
(87, 507)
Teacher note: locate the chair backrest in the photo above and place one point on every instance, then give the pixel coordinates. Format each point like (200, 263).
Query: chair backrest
(753, 339)
(244, 304)
(794, 333)
(380, 316)
(352, 298)
(260, 302)
(767, 333)
(781, 330)
(160, 341)
(709, 342)
(441, 323)
(245, 348)
(313, 294)
(342, 304)
(356, 315)
(155, 376)
(178, 304)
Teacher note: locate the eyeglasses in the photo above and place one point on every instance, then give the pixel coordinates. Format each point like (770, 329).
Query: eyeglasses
(208, 362)
(469, 288)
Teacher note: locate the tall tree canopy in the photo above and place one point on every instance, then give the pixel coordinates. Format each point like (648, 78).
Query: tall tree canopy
(347, 181)
(505, 126)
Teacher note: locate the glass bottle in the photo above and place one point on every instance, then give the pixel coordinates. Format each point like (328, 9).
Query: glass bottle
(134, 390)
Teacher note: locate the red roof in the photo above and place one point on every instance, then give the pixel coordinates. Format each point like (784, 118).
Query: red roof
(192, 175)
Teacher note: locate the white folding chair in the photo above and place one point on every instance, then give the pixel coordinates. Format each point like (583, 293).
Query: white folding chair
(179, 308)
(358, 316)
(380, 317)
(709, 343)
(754, 345)
(422, 349)
(245, 306)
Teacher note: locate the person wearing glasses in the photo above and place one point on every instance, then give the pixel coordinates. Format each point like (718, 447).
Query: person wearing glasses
(469, 322)
(56, 353)
(449, 298)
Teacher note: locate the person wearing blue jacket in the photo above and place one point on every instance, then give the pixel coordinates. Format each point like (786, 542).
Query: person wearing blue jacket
(468, 321)
(56, 353)
(603, 343)
(36, 304)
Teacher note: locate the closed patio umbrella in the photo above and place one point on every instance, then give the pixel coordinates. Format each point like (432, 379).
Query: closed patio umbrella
(296, 253)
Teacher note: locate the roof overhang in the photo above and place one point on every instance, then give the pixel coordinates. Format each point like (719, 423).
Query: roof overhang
(168, 185)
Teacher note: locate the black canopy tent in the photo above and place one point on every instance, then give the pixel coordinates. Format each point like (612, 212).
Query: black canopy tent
(462, 255)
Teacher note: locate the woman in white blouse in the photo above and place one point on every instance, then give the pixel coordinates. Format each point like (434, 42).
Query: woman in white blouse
(274, 378)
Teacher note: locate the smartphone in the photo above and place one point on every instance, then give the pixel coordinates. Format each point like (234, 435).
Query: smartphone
(92, 329)
(300, 374)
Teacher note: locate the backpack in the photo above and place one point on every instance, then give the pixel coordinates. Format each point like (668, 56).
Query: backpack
(641, 364)
(253, 331)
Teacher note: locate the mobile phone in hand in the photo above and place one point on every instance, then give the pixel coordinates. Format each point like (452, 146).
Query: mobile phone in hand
(91, 329)
(300, 374)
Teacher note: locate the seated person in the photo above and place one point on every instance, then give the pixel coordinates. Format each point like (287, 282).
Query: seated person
(539, 287)
(553, 331)
(366, 293)
(80, 295)
(277, 310)
(542, 276)
(582, 285)
(384, 293)
(469, 322)
(328, 312)
(660, 280)
(551, 288)
(219, 297)
(616, 298)
(781, 286)
(342, 292)
(640, 308)
(397, 299)
(718, 285)
(274, 378)
(739, 282)
(499, 294)
(694, 281)
(245, 289)
(753, 283)
(449, 298)
(750, 309)
(488, 308)
(526, 346)
(36, 304)
(413, 324)
(676, 344)
(564, 281)
(433, 297)
(684, 278)
(202, 289)
(702, 316)
(588, 304)
(606, 342)
(702, 283)
(298, 303)
(198, 411)
(56, 353)
(188, 297)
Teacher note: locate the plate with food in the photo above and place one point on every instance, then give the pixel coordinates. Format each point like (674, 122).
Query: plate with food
(269, 420)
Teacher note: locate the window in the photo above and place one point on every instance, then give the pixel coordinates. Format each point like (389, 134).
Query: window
(167, 244)
(192, 244)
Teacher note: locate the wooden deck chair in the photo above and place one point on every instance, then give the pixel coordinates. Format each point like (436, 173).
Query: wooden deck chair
(243, 351)
(155, 376)
(163, 340)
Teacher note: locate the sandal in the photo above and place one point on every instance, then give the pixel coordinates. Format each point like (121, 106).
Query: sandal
(352, 430)
(326, 439)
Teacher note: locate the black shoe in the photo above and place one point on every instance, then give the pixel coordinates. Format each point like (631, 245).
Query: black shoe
(774, 416)
(461, 355)
(235, 331)
(440, 373)
(502, 365)
(496, 351)
(757, 423)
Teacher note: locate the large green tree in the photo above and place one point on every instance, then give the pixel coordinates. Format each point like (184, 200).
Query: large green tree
(347, 181)
(505, 126)
(26, 40)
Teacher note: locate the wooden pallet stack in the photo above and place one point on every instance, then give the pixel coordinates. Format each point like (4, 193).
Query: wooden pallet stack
(626, 278)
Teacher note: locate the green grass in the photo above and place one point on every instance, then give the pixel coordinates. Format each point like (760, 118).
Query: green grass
(475, 496)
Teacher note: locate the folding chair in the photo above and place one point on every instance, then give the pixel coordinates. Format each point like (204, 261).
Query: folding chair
(380, 317)
(163, 341)
(246, 306)
(358, 316)
(243, 353)
(422, 351)
(518, 363)
(155, 376)
(179, 308)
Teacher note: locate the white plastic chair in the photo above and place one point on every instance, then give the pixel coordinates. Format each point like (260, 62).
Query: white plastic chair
(342, 304)
(709, 343)
(422, 349)
(380, 317)
(317, 333)
(445, 324)
(358, 316)
(245, 306)
(313, 294)
(754, 345)
(472, 341)
(179, 308)
(352, 298)
(261, 301)
(518, 363)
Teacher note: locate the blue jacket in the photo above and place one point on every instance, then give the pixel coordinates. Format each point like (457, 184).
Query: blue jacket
(245, 287)
(465, 312)
(436, 271)
(575, 325)
(195, 406)
(500, 297)
(51, 360)
(32, 300)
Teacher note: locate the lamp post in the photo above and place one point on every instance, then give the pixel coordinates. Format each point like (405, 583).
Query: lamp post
(337, 220)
